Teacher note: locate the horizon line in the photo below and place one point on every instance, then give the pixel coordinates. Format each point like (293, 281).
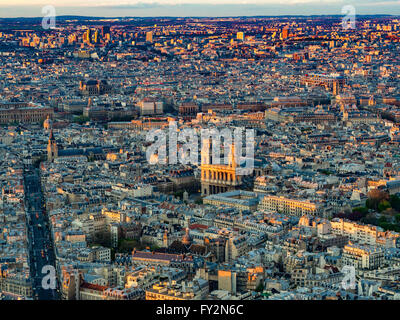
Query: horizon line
(210, 17)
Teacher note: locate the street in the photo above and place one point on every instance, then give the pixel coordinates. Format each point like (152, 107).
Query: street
(39, 237)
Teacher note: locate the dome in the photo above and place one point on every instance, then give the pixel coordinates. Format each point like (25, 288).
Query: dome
(187, 240)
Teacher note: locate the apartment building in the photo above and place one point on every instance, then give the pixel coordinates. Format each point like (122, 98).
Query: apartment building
(289, 206)
(362, 257)
(197, 289)
(365, 234)
(24, 113)
(235, 246)
(16, 285)
(150, 107)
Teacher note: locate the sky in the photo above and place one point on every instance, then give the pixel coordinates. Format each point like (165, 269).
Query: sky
(184, 8)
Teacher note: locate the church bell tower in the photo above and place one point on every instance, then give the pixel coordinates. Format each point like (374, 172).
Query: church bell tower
(52, 149)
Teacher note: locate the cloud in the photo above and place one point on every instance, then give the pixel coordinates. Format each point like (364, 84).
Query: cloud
(141, 3)
(157, 3)
(199, 8)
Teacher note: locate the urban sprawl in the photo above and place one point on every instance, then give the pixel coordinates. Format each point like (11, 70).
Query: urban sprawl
(84, 214)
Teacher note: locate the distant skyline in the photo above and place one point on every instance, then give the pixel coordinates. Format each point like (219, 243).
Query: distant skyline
(200, 8)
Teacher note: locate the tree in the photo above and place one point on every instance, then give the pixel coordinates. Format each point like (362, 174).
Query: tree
(370, 219)
(340, 215)
(362, 210)
(355, 216)
(260, 287)
(375, 196)
(382, 220)
(81, 119)
(383, 205)
(91, 157)
(358, 213)
(178, 194)
(395, 202)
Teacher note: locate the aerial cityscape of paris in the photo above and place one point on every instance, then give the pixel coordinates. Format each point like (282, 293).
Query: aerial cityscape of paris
(199, 150)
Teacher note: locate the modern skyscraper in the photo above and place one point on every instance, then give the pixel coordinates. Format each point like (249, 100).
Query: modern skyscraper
(105, 30)
(149, 36)
(87, 36)
(240, 36)
(285, 33)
